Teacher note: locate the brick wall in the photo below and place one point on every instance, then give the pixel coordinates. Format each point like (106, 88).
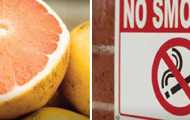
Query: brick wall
(103, 59)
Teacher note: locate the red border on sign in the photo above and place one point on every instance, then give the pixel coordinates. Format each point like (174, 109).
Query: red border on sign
(126, 114)
(121, 30)
(149, 25)
(119, 68)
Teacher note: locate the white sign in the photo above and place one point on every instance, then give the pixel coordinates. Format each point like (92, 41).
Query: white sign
(152, 59)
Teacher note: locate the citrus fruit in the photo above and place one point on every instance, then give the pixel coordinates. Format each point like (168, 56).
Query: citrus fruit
(34, 53)
(54, 100)
(52, 113)
(76, 86)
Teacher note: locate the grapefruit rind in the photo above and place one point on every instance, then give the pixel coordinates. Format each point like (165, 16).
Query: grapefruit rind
(37, 92)
(77, 79)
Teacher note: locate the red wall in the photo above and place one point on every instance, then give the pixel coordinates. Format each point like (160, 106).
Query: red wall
(103, 59)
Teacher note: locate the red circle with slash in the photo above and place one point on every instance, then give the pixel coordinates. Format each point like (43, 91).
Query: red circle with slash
(162, 55)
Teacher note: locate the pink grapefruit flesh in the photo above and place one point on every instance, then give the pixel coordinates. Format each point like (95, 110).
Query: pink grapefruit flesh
(28, 35)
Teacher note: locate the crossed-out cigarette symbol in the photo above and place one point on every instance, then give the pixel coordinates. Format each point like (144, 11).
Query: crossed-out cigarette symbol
(168, 74)
(175, 67)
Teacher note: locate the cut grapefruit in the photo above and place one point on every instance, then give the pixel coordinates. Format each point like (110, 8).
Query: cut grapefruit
(34, 53)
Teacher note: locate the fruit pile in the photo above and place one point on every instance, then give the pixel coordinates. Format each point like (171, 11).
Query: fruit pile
(44, 70)
(73, 93)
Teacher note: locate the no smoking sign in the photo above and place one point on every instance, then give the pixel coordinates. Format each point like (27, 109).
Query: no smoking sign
(174, 68)
(152, 59)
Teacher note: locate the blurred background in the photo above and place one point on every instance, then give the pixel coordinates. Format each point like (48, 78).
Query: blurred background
(73, 12)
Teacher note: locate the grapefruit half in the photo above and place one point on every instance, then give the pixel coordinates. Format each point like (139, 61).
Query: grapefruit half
(34, 54)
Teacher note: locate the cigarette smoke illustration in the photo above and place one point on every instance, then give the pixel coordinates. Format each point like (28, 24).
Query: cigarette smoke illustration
(179, 64)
